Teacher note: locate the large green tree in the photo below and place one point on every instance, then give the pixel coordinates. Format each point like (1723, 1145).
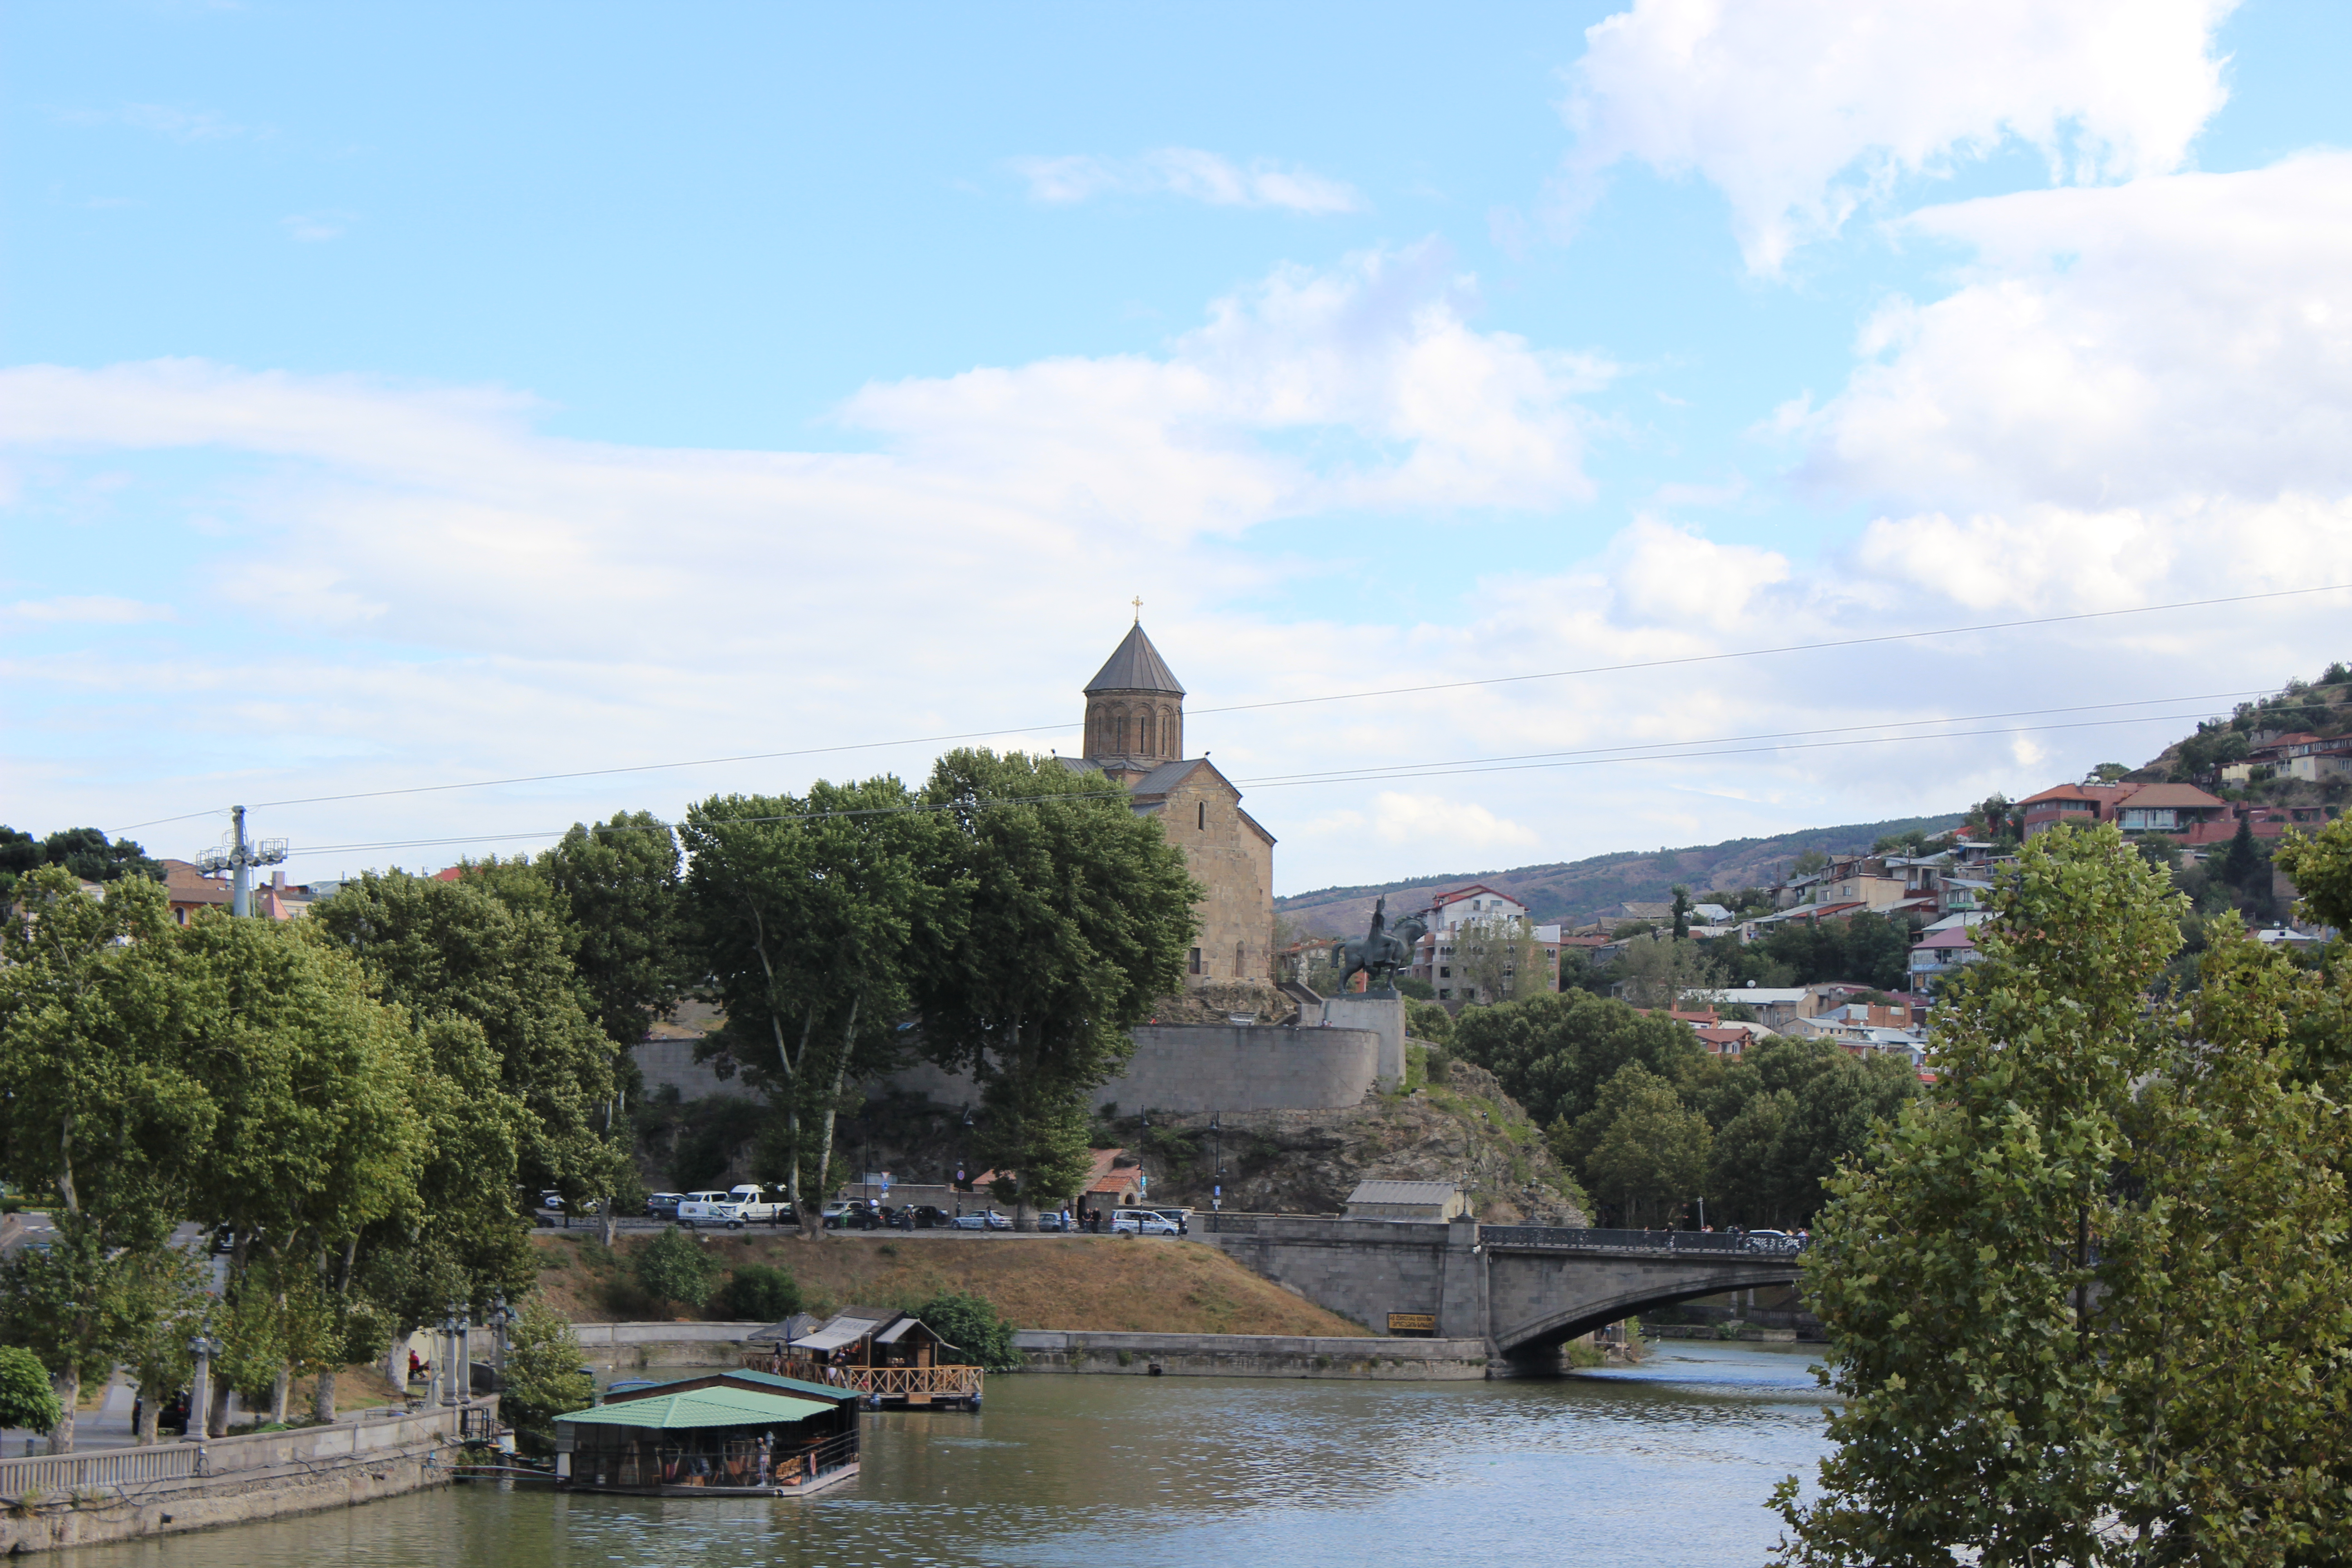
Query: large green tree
(1640, 1149)
(807, 916)
(1071, 916)
(618, 885)
(2089, 1300)
(1552, 1053)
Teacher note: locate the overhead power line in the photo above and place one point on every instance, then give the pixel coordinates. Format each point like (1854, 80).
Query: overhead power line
(1669, 751)
(1059, 724)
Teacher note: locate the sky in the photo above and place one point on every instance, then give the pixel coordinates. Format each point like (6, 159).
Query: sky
(399, 397)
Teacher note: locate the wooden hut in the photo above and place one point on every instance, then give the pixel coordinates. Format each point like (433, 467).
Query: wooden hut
(888, 1356)
(723, 1434)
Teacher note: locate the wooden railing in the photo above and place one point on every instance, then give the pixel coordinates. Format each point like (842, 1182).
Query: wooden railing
(882, 1382)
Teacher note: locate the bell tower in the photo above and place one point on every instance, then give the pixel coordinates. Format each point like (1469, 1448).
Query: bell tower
(1135, 711)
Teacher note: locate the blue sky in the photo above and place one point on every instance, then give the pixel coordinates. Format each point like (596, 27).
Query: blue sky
(402, 396)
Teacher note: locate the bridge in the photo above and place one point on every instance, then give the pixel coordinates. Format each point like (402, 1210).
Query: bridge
(1525, 1290)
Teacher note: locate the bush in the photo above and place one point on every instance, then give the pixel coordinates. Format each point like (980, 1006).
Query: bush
(973, 1326)
(1418, 990)
(674, 1268)
(759, 1291)
(26, 1400)
(543, 1377)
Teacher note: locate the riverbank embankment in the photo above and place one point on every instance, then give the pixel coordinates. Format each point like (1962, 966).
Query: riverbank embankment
(1252, 1355)
(53, 1500)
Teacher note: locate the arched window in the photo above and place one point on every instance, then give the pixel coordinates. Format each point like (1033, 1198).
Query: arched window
(1203, 806)
(1241, 959)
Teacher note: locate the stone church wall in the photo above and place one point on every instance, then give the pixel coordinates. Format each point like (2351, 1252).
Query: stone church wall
(1236, 865)
(1184, 1068)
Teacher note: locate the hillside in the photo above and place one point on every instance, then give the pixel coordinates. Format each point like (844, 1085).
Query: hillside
(1572, 890)
(1095, 1282)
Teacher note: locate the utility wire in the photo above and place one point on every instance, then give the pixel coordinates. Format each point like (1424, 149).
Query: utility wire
(1277, 702)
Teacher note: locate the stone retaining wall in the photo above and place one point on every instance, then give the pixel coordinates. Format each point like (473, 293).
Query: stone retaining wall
(1184, 1068)
(647, 1347)
(121, 1494)
(1252, 1355)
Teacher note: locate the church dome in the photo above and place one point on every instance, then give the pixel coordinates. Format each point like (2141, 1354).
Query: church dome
(1136, 666)
(1135, 709)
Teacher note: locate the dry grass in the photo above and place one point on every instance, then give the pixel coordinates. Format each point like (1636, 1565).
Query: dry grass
(1149, 1285)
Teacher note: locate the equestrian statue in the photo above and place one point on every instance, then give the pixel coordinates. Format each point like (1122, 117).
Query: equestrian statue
(1380, 954)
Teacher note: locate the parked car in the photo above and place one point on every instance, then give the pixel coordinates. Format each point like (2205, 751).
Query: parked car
(1141, 1222)
(1180, 1218)
(551, 1199)
(981, 1219)
(855, 1213)
(1051, 1219)
(1768, 1241)
(928, 1217)
(663, 1206)
(709, 1208)
(760, 1203)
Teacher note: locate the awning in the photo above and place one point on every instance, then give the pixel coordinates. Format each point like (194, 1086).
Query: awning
(839, 1332)
(718, 1406)
(897, 1331)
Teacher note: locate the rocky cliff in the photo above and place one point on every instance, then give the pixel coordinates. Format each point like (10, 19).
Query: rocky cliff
(1463, 1129)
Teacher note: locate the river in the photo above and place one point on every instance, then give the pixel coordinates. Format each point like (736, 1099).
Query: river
(1668, 1463)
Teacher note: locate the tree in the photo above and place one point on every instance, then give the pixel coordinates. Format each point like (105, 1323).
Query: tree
(26, 1400)
(674, 1268)
(808, 916)
(1553, 1053)
(1682, 912)
(2320, 866)
(1071, 916)
(459, 950)
(1658, 971)
(762, 1293)
(1639, 1146)
(976, 1334)
(1497, 959)
(543, 1375)
(84, 852)
(2088, 1298)
(618, 885)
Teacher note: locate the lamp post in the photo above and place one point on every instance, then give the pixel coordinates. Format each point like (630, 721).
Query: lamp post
(464, 1353)
(1217, 1187)
(499, 1317)
(203, 1347)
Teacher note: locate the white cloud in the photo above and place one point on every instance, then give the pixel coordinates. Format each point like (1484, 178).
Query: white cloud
(88, 611)
(1800, 111)
(1189, 172)
(2140, 346)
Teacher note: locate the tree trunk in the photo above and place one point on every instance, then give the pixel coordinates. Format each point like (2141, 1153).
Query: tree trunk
(395, 1366)
(322, 1404)
(791, 1070)
(67, 1385)
(833, 1101)
(150, 1425)
(281, 1393)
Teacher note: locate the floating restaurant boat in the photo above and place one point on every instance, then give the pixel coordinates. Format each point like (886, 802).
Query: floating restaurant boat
(889, 1357)
(723, 1434)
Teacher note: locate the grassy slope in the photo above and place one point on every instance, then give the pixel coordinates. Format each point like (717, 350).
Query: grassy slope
(1154, 1285)
(1572, 890)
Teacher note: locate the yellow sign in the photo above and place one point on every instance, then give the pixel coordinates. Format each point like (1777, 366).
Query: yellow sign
(1412, 1322)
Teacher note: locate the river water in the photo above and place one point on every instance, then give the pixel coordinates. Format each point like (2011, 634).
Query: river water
(1668, 1463)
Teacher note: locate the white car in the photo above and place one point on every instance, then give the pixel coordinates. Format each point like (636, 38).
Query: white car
(710, 1208)
(1141, 1222)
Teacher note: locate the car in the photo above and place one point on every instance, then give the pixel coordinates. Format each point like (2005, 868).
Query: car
(1051, 1219)
(1769, 1241)
(1180, 1218)
(761, 1201)
(928, 1217)
(853, 1214)
(981, 1219)
(709, 1208)
(551, 1199)
(1141, 1222)
(663, 1206)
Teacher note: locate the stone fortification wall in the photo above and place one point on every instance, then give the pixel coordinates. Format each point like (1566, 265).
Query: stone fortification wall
(121, 1494)
(1183, 1069)
(1252, 1355)
(670, 1064)
(647, 1347)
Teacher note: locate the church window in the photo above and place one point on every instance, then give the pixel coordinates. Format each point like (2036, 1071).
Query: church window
(1196, 960)
(1241, 958)
(1145, 722)
(1203, 807)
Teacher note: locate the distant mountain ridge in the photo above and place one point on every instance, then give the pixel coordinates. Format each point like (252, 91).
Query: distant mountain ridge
(1574, 890)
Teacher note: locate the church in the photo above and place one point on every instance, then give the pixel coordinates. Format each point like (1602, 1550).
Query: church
(1135, 735)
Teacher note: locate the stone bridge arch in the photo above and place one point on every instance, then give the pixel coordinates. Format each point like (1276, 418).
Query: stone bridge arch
(1591, 1298)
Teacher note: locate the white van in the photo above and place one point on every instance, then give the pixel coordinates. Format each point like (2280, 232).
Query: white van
(1141, 1222)
(709, 1208)
(762, 1202)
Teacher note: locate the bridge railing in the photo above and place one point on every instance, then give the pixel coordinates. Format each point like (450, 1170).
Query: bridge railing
(1676, 1241)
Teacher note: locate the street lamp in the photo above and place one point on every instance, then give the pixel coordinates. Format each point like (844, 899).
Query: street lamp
(498, 1320)
(1217, 1187)
(203, 1347)
(464, 1353)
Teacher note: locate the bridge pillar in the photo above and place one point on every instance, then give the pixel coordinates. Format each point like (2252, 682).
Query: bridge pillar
(1463, 1311)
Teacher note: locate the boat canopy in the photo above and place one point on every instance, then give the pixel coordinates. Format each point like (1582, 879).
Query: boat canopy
(713, 1407)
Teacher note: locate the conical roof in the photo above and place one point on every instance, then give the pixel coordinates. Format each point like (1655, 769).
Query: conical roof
(1136, 667)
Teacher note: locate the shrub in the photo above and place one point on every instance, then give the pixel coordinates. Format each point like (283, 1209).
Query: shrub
(674, 1268)
(543, 1377)
(26, 1400)
(759, 1291)
(978, 1332)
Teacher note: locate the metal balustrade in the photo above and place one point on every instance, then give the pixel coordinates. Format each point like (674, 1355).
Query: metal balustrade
(1717, 1242)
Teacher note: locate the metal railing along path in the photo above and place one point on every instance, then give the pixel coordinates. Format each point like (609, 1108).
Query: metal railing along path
(1573, 1238)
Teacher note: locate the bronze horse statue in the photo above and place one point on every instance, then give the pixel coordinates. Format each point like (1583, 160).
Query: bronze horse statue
(1381, 952)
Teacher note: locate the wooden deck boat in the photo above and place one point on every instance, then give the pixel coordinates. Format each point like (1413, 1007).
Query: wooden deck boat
(889, 1357)
(725, 1434)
